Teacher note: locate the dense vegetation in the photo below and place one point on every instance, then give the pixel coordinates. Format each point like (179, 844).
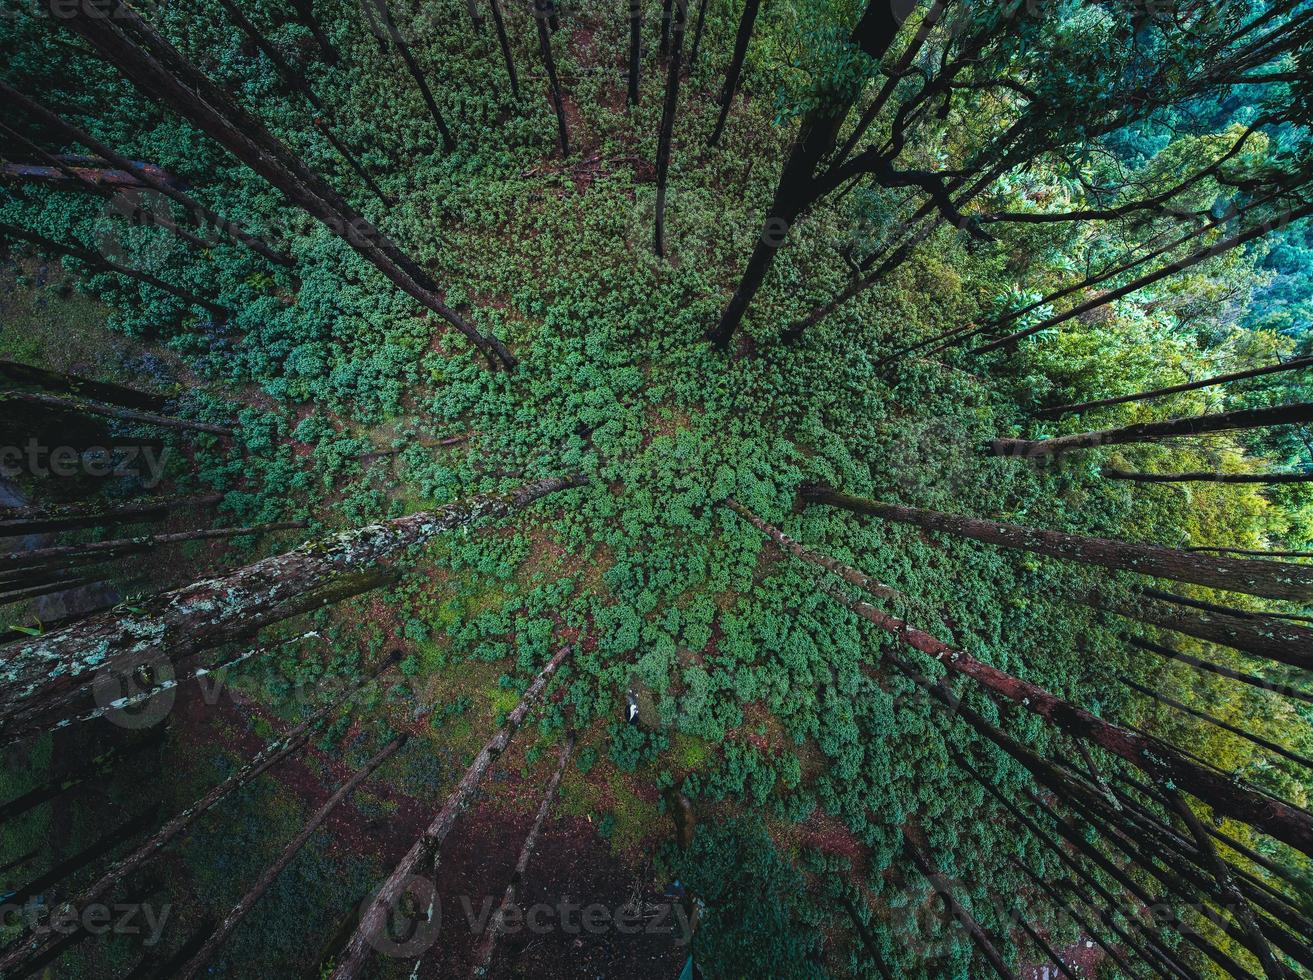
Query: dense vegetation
(809, 760)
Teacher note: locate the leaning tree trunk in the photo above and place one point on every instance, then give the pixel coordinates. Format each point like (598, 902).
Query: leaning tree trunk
(387, 900)
(305, 13)
(1167, 653)
(741, 41)
(48, 677)
(158, 69)
(79, 406)
(543, 11)
(1298, 364)
(212, 945)
(1272, 579)
(71, 778)
(505, 42)
(798, 190)
(279, 749)
(1158, 759)
(1112, 473)
(697, 36)
(1245, 418)
(40, 520)
(144, 175)
(72, 384)
(385, 12)
(958, 911)
(484, 954)
(635, 48)
(667, 130)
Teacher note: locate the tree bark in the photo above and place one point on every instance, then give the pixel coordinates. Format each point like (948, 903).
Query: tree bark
(80, 406)
(505, 42)
(41, 520)
(1112, 473)
(25, 951)
(1156, 758)
(542, 12)
(103, 264)
(1297, 364)
(483, 956)
(1245, 418)
(958, 911)
(159, 70)
(48, 677)
(1272, 579)
(666, 132)
(747, 23)
(697, 36)
(206, 953)
(385, 12)
(798, 188)
(355, 956)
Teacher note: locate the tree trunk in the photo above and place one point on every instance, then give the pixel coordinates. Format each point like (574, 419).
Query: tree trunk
(305, 13)
(72, 384)
(104, 550)
(505, 42)
(1298, 364)
(1274, 580)
(697, 36)
(1158, 759)
(1245, 418)
(79, 774)
(1167, 653)
(1259, 553)
(635, 48)
(206, 953)
(77, 405)
(385, 12)
(542, 12)
(103, 264)
(868, 940)
(48, 677)
(476, 18)
(798, 190)
(1111, 473)
(483, 956)
(1171, 269)
(747, 22)
(23, 952)
(40, 520)
(386, 902)
(144, 175)
(958, 911)
(666, 14)
(666, 132)
(162, 72)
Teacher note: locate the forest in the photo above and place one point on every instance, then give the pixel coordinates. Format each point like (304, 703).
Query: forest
(665, 488)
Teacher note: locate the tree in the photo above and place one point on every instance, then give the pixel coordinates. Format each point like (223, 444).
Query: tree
(635, 49)
(500, 24)
(665, 135)
(543, 12)
(394, 33)
(742, 38)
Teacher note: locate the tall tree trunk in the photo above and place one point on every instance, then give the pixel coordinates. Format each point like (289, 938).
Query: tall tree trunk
(741, 40)
(23, 952)
(305, 13)
(1167, 653)
(394, 33)
(666, 132)
(957, 909)
(78, 775)
(697, 36)
(635, 48)
(1296, 364)
(158, 69)
(505, 42)
(212, 945)
(42, 520)
(72, 384)
(1272, 579)
(80, 406)
(143, 174)
(484, 953)
(103, 264)
(104, 550)
(666, 17)
(49, 677)
(476, 18)
(1112, 473)
(1171, 269)
(387, 900)
(1158, 759)
(1245, 418)
(868, 940)
(542, 12)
